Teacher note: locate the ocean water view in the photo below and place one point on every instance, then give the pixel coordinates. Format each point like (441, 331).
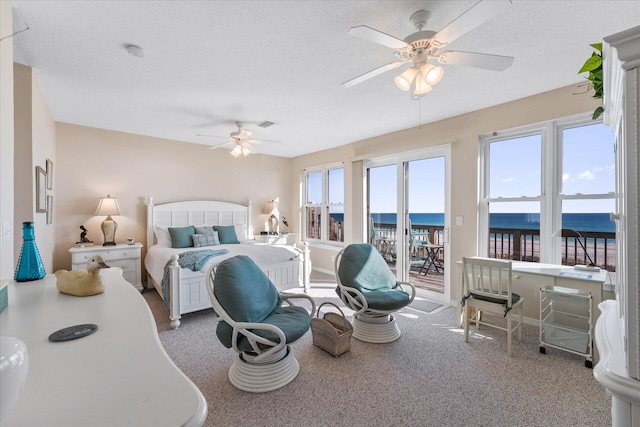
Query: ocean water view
(581, 222)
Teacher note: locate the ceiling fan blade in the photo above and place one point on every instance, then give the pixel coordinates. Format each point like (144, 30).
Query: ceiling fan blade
(478, 14)
(368, 33)
(377, 71)
(244, 134)
(211, 136)
(211, 147)
(478, 60)
(260, 141)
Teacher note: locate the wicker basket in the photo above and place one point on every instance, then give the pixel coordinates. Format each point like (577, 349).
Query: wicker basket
(333, 332)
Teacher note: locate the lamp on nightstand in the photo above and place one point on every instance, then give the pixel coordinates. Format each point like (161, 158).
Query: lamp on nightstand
(108, 206)
(272, 208)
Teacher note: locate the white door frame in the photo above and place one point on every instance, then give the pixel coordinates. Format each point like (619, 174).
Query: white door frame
(400, 160)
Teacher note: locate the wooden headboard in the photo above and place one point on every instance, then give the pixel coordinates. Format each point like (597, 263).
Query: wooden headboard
(198, 212)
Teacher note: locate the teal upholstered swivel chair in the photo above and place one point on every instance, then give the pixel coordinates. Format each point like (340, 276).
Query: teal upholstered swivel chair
(255, 324)
(367, 285)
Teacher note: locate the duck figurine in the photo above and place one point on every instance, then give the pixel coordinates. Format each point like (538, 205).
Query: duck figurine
(82, 283)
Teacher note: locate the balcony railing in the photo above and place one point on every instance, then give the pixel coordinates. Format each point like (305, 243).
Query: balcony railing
(524, 245)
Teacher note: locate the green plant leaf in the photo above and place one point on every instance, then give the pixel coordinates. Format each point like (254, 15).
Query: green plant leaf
(591, 64)
(598, 89)
(597, 112)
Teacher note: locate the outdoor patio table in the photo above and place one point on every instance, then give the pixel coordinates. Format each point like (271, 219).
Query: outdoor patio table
(431, 261)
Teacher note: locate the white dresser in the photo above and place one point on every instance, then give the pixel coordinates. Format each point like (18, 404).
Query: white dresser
(126, 257)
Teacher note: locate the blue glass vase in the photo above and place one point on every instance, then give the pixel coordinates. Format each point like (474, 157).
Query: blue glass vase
(30, 265)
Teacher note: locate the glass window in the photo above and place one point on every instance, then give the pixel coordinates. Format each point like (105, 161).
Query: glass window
(546, 194)
(588, 160)
(514, 230)
(314, 188)
(514, 167)
(325, 193)
(586, 232)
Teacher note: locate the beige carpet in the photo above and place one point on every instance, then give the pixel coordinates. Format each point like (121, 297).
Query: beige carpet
(429, 377)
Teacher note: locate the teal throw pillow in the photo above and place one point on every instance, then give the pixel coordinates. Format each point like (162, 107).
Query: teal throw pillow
(226, 234)
(181, 236)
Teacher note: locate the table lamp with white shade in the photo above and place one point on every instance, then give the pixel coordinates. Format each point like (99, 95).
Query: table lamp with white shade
(108, 206)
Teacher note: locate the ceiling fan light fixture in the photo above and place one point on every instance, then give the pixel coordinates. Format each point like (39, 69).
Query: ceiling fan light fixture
(422, 86)
(245, 151)
(404, 80)
(432, 73)
(237, 151)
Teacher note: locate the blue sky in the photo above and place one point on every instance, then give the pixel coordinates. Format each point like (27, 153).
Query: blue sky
(588, 167)
(426, 187)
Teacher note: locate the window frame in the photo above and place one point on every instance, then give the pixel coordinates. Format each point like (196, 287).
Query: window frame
(551, 196)
(324, 205)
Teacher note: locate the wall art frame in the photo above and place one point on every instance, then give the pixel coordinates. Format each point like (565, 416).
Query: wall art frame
(49, 170)
(49, 209)
(41, 190)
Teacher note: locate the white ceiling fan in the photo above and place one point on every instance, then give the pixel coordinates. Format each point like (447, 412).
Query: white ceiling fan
(241, 139)
(422, 49)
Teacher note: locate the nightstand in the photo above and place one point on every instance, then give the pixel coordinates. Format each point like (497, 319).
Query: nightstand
(280, 239)
(126, 257)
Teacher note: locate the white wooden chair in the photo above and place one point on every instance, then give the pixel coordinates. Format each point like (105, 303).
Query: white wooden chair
(487, 288)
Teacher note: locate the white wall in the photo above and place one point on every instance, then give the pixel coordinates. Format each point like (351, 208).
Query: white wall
(92, 163)
(6, 143)
(34, 143)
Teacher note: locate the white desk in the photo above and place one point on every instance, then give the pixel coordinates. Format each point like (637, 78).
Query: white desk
(119, 375)
(529, 277)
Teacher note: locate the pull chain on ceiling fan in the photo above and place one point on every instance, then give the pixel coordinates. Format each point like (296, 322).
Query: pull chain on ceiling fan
(423, 46)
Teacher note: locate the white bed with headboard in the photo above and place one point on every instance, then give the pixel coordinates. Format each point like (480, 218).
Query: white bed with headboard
(287, 267)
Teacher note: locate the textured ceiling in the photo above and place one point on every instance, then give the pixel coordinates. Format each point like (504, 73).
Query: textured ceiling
(210, 63)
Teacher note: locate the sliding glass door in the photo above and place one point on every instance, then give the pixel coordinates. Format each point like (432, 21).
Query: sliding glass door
(407, 216)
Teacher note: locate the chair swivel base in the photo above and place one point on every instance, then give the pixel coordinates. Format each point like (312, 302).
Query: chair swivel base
(267, 375)
(375, 329)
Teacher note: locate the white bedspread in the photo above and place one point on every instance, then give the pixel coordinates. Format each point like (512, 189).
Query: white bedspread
(261, 254)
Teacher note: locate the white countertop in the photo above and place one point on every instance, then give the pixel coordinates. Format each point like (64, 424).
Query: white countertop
(119, 375)
(555, 270)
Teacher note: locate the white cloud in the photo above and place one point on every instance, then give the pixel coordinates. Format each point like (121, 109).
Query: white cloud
(566, 177)
(586, 175)
(510, 179)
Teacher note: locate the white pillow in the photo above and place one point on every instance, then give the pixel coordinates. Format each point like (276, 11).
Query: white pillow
(163, 238)
(241, 232)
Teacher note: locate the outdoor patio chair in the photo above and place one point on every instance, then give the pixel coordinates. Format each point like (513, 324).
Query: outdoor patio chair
(367, 285)
(381, 240)
(255, 325)
(487, 288)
